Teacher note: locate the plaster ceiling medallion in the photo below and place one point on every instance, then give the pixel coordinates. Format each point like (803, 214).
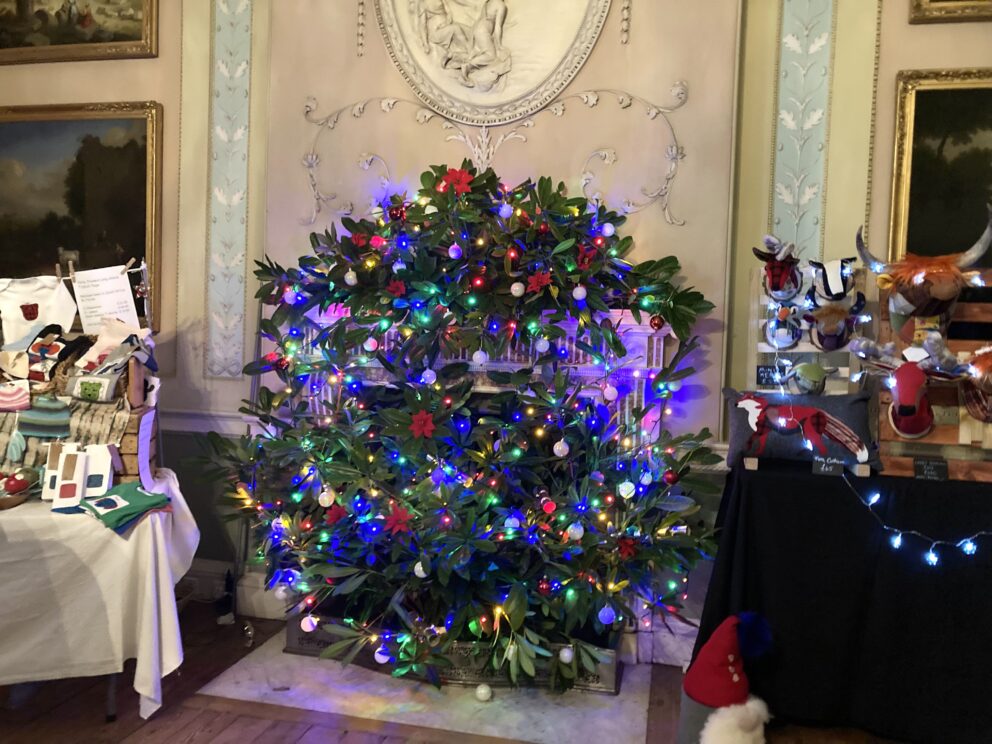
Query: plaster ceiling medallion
(487, 62)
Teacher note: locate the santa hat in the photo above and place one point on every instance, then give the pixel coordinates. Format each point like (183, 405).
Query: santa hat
(716, 682)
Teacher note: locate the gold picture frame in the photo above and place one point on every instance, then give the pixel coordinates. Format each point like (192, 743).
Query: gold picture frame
(926, 101)
(949, 11)
(87, 170)
(93, 35)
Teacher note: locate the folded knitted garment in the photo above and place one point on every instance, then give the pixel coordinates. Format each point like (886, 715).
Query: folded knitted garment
(122, 504)
(47, 418)
(15, 395)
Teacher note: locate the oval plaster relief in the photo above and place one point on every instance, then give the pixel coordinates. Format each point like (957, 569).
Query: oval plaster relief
(489, 61)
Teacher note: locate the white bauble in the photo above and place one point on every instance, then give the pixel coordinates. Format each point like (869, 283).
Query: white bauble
(418, 570)
(370, 344)
(607, 615)
(283, 593)
(454, 251)
(566, 655)
(428, 376)
(579, 293)
(542, 345)
(326, 497)
(382, 655)
(483, 693)
(576, 531)
(511, 523)
(350, 278)
(561, 448)
(626, 490)
(398, 266)
(480, 357)
(675, 385)
(517, 289)
(647, 479)
(608, 230)
(308, 624)
(506, 211)
(610, 393)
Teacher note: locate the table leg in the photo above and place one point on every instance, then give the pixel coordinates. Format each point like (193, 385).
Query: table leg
(112, 697)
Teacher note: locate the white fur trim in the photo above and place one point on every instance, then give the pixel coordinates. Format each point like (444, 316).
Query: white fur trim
(737, 724)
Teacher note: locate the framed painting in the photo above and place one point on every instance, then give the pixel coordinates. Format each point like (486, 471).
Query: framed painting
(73, 30)
(942, 174)
(947, 11)
(81, 183)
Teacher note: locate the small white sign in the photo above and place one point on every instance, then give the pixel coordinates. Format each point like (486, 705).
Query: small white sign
(102, 293)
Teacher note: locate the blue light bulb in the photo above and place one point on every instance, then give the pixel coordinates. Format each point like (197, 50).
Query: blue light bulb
(874, 499)
(931, 557)
(968, 547)
(896, 540)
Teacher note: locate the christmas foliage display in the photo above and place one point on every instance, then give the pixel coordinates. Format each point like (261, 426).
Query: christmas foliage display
(391, 491)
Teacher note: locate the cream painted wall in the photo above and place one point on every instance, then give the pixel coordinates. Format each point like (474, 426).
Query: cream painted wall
(916, 47)
(313, 53)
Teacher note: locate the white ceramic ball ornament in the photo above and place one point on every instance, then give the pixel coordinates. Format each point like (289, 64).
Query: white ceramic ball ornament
(308, 624)
(647, 479)
(326, 498)
(419, 571)
(480, 357)
(517, 289)
(483, 693)
(511, 523)
(626, 490)
(542, 345)
(454, 251)
(610, 393)
(428, 376)
(399, 266)
(350, 278)
(576, 531)
(579, 293)
(607, 615)
(561, 448)
(382, 655)
(505, 211)
(675, 385)
(566, 655)
(283, 593)
(370, 344)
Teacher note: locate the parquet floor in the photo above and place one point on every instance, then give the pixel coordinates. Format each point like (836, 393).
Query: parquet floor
(72, 711)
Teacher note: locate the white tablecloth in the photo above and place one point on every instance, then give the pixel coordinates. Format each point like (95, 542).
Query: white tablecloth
(77, 599)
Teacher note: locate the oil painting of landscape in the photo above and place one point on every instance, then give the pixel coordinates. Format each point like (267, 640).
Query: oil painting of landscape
(67, 30)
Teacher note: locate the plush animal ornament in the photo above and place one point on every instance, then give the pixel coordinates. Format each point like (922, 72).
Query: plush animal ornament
(765, 417)
(925, 288)
(831, 326)
(832, 281)
(910, 414)
(717, 707)
(784, 329)
(808, 378)
(783, 279)
(977, 387)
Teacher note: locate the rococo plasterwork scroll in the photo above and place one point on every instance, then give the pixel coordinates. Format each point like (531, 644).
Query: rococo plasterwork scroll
(489, 62)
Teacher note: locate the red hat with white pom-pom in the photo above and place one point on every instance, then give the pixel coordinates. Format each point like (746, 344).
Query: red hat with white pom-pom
(716, 678)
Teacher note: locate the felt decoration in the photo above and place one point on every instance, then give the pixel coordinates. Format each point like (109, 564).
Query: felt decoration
(398, 520)
(783, 329)
(831, 281)
(808, 378)
(335, 514)
(422, 424)
(458, 179)
(70, 486)
(95, 388)
(51, 478)
(538, 281)
(49, 348)
(782, 280)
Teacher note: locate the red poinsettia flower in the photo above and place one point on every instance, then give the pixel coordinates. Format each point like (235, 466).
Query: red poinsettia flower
(422, 424)
(587, 255)
(335, 514)
(458, 179)
(537, 282)
(360, 239)
(378, 241)
(628, 547)
(396, 288)
(398, 520)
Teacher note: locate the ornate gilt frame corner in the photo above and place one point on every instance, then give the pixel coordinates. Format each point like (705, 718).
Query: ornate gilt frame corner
(949, 11)
(908, 82)
(151, 112)
(146, 47)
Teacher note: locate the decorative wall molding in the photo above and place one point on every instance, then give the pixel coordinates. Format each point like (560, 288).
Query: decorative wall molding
(360, 33)
(625, 22)
(802, 116)
(484, 142)
(459, 63)
(227, 226)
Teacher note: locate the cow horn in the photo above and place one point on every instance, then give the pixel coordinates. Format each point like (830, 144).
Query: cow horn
(976, 251)
(763, 255)
(873, 264)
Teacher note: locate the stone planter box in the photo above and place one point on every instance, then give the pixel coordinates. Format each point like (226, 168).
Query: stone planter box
(469, 668)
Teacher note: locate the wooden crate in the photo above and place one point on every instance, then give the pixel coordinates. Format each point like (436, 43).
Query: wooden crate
(965, 443)
(139, 446)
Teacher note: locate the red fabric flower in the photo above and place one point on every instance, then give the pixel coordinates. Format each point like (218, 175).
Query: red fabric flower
(378, 241)
(537, 282)
(587, 255)
(396, 288)
(335, 514)
(458, 179)
(422, 424)
(628, 547)
(398, 520)
(360, 239)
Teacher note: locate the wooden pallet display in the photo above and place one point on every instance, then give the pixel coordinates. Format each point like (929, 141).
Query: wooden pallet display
(964, 442)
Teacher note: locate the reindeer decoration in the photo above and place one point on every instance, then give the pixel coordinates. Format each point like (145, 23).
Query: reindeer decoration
(783, 279)
(924, 288)
(910, 414)
(831, 326)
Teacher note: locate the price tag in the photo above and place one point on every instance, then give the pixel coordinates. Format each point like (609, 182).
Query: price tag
(766, 375)
(827, 466)
(930, 468)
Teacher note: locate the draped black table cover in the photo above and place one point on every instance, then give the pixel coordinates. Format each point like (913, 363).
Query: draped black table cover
(866, 635)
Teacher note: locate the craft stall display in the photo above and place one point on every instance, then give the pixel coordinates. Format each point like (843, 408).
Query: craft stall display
(80, 494)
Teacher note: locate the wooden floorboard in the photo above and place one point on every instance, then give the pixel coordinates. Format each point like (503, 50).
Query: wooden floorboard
(72, 711)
